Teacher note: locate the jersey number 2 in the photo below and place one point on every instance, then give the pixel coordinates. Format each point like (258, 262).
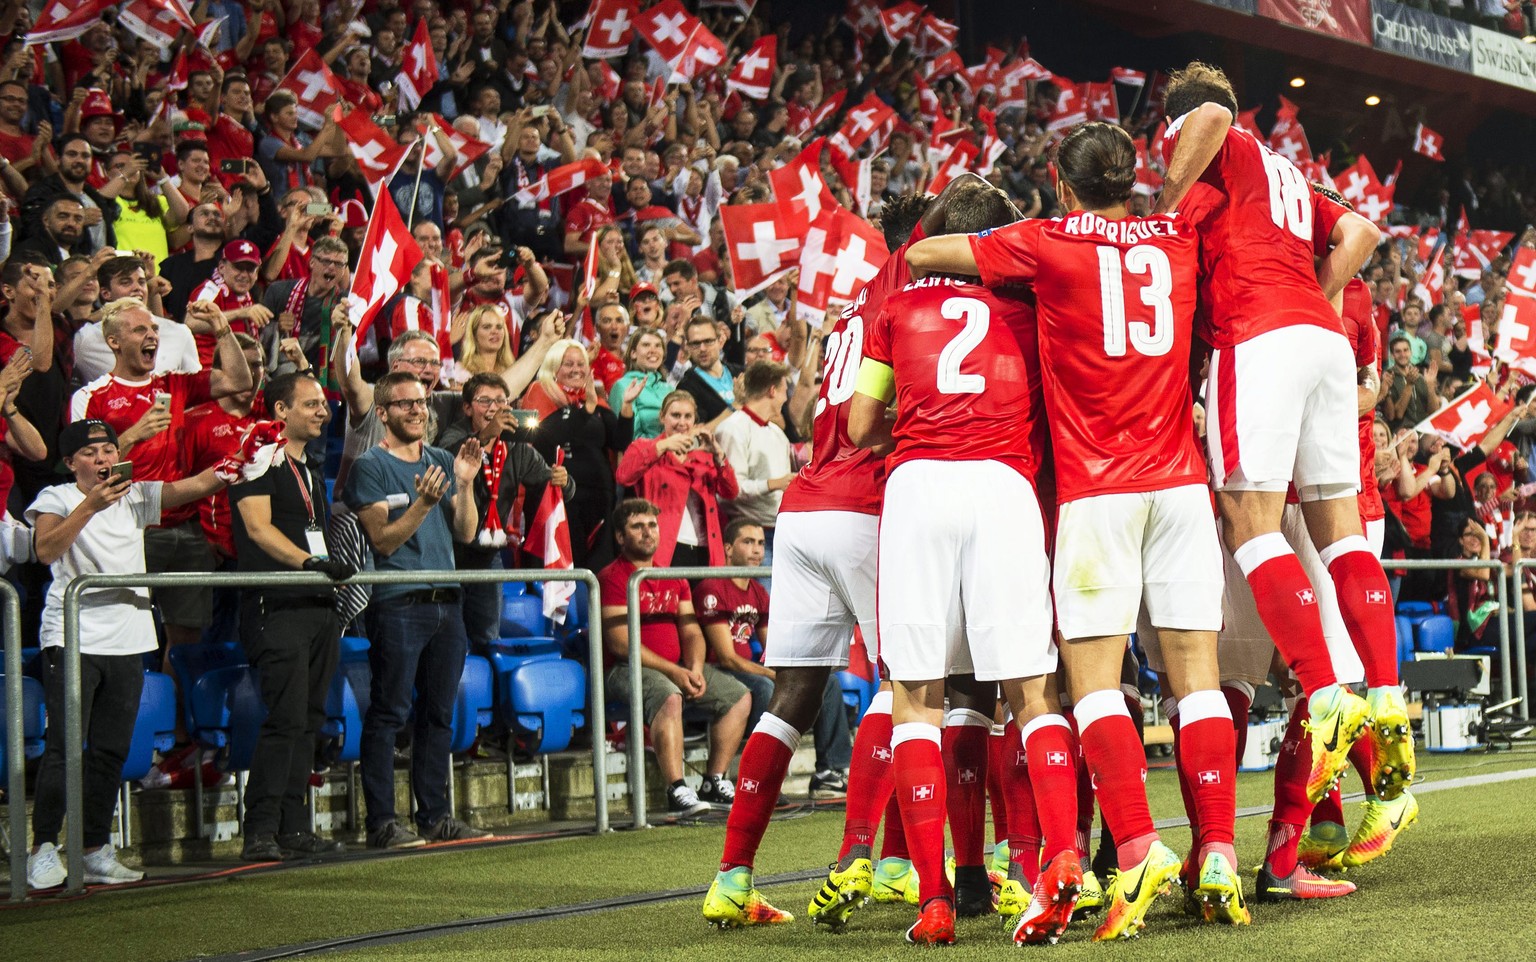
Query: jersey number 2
(1150, 339)
(976, 315)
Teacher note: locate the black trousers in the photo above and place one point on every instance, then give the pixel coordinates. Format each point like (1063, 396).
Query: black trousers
(110, 689)
(293, 645)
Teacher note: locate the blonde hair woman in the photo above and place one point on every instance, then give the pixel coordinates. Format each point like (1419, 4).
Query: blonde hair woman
(485, 348)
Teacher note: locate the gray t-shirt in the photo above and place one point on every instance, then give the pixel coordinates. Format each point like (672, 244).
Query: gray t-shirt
(378, 476)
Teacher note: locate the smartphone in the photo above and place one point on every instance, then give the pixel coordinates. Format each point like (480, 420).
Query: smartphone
(526, 418)
(541, 110)
(235, 165)
(162, 400)
(319, 209)
(123, 469)
(150, 153)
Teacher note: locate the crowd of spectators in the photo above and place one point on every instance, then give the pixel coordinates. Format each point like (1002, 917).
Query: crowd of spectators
(173, 254)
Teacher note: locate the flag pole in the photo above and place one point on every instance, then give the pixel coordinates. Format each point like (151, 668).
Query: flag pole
(421, 161)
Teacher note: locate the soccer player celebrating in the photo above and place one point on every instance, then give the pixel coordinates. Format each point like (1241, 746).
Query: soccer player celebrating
(1280, 406)
(824, 585)
(961, 362)
(1115, 297)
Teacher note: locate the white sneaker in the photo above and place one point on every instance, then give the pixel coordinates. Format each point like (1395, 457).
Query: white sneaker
(103, 868)
(45, 870)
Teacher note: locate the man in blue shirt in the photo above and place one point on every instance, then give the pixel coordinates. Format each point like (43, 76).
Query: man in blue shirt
(413, 502)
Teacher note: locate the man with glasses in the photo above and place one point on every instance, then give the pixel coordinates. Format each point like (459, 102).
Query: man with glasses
(303, 309)
(414, 502)
(711, 379)
(230, 288)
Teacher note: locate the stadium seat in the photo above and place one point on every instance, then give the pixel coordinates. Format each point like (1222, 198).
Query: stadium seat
(1415, 609)
(539, 696)
(155, 728)
(472, 707)
(857, 692)
(1404, 639)
(344, 706)
(33, 726)
(223, 699)
(1434, 633)
(522, 614)
(354, 648)
(573, 631)
(191, 662)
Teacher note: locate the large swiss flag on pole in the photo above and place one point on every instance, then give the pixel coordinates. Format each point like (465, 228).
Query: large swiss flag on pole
(1466, 420)
(312, 82)
(549, 540)
(764, 241)
(388, 256)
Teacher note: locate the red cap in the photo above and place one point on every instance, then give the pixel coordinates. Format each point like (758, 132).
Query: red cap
(353, 214)
(644, 287)
(98, 104)
(241, 251)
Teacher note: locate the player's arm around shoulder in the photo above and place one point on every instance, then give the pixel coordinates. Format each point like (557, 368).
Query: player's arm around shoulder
(873, 392)
(947, 254)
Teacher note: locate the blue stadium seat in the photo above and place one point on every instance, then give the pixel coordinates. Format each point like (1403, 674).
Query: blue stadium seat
(1435, 633)
(1404, 639)
(472, 707)
(522, 614)
(191, 662)
(345, 703)
(1415, 609)
(540, 696)
(857, 692)
(223, 699)
(155, 728)
(354, 648)
(33, 725)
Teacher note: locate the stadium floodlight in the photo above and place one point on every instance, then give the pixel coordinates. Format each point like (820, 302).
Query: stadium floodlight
(1298, 81)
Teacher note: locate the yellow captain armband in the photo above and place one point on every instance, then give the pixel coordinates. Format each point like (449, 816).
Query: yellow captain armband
(876, 380)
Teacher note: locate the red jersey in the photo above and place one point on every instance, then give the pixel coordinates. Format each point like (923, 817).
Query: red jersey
(743, 610)
(967, 372)
(123, 403)
(210, 434)
(217, 291)
(16, 147)
(295, 265)
(659, 601)
(1115, 301)
(229, 140)
(587, 216)
(1256, 264)
(1360, 328)
(843, 476)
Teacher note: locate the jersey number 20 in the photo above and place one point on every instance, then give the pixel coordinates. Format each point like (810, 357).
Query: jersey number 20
(1152, 339)
(845, 351)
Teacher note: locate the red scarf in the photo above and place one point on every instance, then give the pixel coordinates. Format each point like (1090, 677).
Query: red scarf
(493, 535)
(574, 396)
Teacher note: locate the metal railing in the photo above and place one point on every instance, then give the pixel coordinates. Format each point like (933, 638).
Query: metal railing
(15, 745)
(636, 735)
(1499, 595)
(1522, 672)
(74, 762)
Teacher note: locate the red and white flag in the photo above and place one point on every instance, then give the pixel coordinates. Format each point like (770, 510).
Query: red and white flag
(928, 105)
(991, 149)
(800, 183)
(934, 36)
(433, 315)
(1286, 137)
(378, 155)
(863, 16)
(764, 242)
(1517, 331)
(945, 65)
(612, 85)
(418, 68)
(312, 82)
(753, 75)
(1129, 77)
(1475, 250)
(180, 72)
(208, 31)
(562, 179)
(66, 20)
(1249, 120)
(1100, 102)
(1148, 180)
(855, 173)
(549, 538)
(1466, 420)
(957, 162)
(667, 27)
(1428, 143)
(1071, 107)
(384, 264)
(469, 149)
(701, 55)
(1358, 179)
(158, 21)
(862, 122)
(901, 21)
(1522, 271)
(610, 28)
(829, 107)
(840, 255)
(589, 268)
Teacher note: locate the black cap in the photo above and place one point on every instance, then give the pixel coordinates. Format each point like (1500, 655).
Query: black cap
(77, 434)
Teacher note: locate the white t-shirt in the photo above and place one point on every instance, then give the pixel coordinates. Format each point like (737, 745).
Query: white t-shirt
(177, 353)
(113, 621)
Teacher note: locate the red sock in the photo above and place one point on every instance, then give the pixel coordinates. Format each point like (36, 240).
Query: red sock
(869, 779)
(997, 744)
(1083, 827)
(1119, 766)
(894, 843)
(965, 768)
(1207, 746)
(758, 780)
(1288, 607)
(1180, 766)
(1365, 602)
(1238, 703)
(1330, 808)
(1291, 804)
(920, 791)
(1363, 755)
(1053, 777)
(1023, 823)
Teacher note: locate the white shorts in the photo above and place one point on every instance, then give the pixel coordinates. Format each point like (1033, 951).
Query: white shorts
(823, 584)
(1118, 552)
(1246, 650)
(1376, 535)
(1280, 409)
(963, 569)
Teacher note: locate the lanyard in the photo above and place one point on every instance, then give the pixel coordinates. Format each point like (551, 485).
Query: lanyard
(303, 489)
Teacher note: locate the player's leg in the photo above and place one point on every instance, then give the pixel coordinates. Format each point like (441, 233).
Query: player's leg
(967, 731)
(997, 799)
(1023, 827)
(1282, 877)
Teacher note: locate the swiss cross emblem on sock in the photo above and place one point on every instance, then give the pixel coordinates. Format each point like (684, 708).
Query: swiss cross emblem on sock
(966, 776)
(1021, 759)
(1056, 758)
(921, 793)
(882, 753)
(749, 785)
(1376, 597)
(1210, 778)
(1306, 597)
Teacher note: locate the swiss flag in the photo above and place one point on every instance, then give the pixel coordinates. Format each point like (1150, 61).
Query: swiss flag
(957, 162)
(1289, 140)
(829, 107)
(1071, 106)
(862, 121)
(901, 21)
(1100, 102)
(384, 264)
(610, 28)
(562, 179)
(1466, 420)
(158, 21)
(1129, 77)
(863, 16)
(1249, 120)
(1148, 180)
(1522, 271)
(418, 68)
(1357, 179)
(208, 31)
(312, 82)
(1376, 204)
(753, 75)
(1431, 286)
(549, 538)
(612, 85)
(1475, 250)
(944, 66)
(66, 20)
(841, 255)
(800, 184)
(1428, 143)
(764, 241)
(991, 149)
(470, 149)
(927, 101)
(433, 315)
(667, 27)
(378, 155)
(701, 55)
(935, 36)
(1517, 331)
